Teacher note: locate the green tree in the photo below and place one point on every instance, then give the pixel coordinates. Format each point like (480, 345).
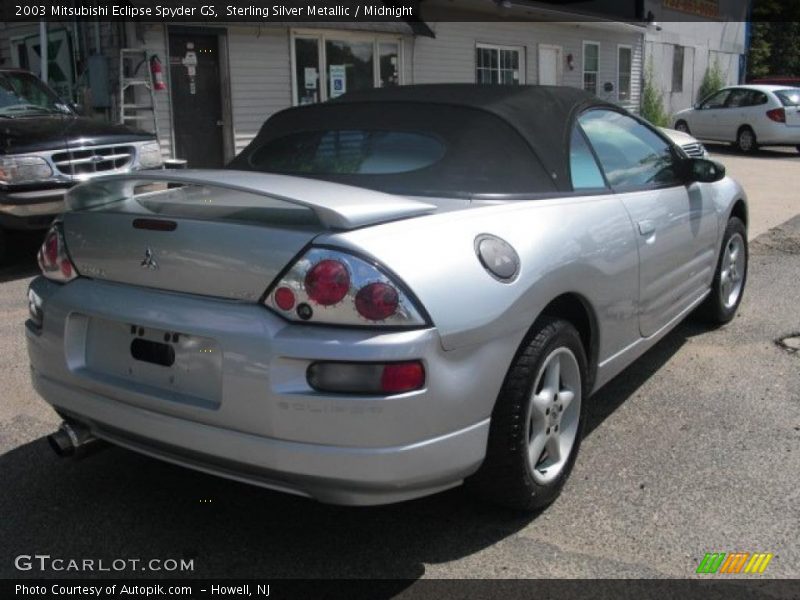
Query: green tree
(758, 61)
(713, 80)
(774, 39)
(652, 99)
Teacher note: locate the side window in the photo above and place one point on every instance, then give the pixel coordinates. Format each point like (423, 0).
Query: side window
(757, 98)
(738, 98)
(717, 100)
(582, 166)
(632, 155)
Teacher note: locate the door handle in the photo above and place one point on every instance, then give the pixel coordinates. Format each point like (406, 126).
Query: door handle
(647, 227)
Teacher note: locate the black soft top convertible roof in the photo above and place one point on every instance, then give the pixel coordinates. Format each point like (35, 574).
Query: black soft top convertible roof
(542, 114)
(542, 117)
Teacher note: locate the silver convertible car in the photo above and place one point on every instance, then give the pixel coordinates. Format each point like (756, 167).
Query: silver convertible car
(385, 295)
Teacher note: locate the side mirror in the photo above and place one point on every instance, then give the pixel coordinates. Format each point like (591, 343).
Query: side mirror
(704, 170)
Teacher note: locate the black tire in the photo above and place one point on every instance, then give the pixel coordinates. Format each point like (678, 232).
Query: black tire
(798, 147)
(714, 309)
(746, 140)
(682, 126)
(506, 476)
(3, 246)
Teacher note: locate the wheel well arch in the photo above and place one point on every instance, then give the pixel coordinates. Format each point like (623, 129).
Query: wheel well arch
(745, 126)
(739, 211)
(576, 309)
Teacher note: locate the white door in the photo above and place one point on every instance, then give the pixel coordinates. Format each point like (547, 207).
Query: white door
(705, 121)
(549, 65)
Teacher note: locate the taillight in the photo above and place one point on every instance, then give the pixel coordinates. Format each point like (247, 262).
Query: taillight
(777, 114)
(337, 288)
(366, 378)
(284, 298)
(402, 377)
(53, 258)
(327, 282)
(377, 301)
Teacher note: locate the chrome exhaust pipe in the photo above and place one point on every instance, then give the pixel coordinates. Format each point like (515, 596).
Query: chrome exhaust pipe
(73, 439)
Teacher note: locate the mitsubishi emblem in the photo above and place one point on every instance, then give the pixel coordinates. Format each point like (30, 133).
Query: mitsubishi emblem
(149, 262)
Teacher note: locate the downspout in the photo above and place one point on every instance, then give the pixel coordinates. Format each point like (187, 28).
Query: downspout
(43, 75)
(748, 32)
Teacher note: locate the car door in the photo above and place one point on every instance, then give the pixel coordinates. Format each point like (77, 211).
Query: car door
(706, 122)
(676, 223)
(735, 114)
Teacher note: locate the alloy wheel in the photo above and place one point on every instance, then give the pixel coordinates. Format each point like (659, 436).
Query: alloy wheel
(746, 140)
(553, 415)
(733, 271)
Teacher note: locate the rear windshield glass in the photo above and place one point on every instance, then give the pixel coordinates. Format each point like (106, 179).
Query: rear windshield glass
(790, 97)
(349, 151)
(184, 201)
(405, 148)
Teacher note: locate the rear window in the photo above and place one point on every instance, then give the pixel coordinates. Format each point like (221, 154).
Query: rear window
(349, 151)
(403, 148)
(790, 97)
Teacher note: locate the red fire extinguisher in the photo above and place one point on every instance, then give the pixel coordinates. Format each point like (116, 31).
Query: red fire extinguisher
(157, 73)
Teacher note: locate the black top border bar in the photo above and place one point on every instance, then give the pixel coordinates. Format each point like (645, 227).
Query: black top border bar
(404, 589)
(219, 12)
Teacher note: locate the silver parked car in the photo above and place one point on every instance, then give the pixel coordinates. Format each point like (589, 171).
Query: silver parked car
(747, 116)
(386, 295)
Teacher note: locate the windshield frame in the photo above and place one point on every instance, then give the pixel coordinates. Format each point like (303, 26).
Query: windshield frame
(11, 84)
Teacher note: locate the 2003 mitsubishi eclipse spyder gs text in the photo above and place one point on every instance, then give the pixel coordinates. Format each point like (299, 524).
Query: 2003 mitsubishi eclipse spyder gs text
(385, 295)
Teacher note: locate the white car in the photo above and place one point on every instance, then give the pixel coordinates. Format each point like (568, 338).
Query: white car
(746, 115)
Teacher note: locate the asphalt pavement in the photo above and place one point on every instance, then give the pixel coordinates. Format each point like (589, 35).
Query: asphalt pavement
(695, 448)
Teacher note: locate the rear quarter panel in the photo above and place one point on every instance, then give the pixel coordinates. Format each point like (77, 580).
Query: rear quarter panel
(583, 245)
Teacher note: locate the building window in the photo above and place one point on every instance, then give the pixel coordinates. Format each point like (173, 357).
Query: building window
(499, 64)
(591, 66)
(389, 57)
(349, 66)
(677, 69)
(327, 65)
(306, 65)
(624, 66)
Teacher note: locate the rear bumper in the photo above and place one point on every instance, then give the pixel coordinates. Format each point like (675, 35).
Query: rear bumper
(778, 134)
(338, 475)
(268, 427)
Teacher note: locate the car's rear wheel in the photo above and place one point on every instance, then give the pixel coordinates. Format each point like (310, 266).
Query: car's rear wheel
(798, 147)
(746, 140)
(730, 277)
(682, 126)
(537, 422)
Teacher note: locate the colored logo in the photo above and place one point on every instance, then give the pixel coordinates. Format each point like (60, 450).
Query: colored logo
(734, 563)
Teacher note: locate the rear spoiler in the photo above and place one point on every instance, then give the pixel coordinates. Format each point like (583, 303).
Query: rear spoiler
(336, 206)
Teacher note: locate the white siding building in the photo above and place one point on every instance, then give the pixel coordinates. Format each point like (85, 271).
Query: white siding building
(224, 81)
(682, 44)
(264, 69)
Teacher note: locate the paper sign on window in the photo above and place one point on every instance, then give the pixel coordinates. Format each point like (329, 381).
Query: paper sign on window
(338, 81)
(310, 78)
